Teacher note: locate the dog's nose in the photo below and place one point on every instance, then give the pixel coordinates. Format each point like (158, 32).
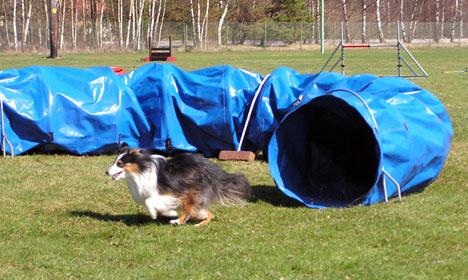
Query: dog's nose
(107, 173)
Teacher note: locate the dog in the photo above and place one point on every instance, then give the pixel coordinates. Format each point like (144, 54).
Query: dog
(186, 181)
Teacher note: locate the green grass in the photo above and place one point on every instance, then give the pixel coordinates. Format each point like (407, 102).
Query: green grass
(60, 217)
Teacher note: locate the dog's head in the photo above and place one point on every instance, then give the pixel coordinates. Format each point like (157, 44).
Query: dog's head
(129, 162)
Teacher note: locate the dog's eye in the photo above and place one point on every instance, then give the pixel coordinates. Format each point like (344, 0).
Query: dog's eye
(120, 163)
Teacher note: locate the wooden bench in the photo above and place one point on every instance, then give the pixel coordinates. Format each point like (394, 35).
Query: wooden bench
(160, 54)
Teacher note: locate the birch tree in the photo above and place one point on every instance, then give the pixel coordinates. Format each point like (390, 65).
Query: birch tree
(379, 21)
(26, 27)
(139, 23)
(129, 24)
(120, 21)
(442, 21)
(453, 20)
(402, 21)
(74, 22)
(415, 14)
(204, 30)
(151, 15)
(437, 21)
(460, 18)
(62, 23)
(101, 19)
(161, 22)
(7, 35)
(224, 7)
(15, 31)
(363, 21)
(194, 32)
(344, 10)
(46, 13)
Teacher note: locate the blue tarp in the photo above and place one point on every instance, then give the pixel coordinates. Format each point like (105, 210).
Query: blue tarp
(330, 140)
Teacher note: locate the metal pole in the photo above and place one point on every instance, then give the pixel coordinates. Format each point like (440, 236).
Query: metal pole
(398, 49)
(342, 50)
(3, 130)
(322, 27)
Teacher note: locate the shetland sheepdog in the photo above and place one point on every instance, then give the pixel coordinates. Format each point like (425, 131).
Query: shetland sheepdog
(188, 182)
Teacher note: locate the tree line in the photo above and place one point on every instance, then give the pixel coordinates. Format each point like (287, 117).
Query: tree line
(134, 23)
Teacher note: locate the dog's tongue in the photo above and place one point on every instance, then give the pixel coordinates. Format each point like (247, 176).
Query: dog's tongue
(116, 175)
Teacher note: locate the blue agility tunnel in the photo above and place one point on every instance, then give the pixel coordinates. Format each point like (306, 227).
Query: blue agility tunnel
(330, 140)
(359, 140)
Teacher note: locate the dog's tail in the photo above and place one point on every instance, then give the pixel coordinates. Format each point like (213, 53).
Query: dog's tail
(235, 190)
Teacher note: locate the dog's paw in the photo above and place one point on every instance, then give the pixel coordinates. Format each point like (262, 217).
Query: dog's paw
(175, 222)
(172, 214)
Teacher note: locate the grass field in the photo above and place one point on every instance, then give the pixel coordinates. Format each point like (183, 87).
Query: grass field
(61, 218)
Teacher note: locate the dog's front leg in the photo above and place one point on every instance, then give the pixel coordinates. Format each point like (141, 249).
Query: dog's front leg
(151, 208)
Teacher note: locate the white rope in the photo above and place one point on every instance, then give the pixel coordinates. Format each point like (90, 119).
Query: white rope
(254, 100)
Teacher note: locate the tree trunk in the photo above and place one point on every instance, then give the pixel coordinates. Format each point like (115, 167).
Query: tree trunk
(120, 21)
(363, 21)
(317, 20)
(460, 19)
(101, 19)
(129, 23)
(437, 20)
(379, 21)
(7, 35)
(402, 21)
(156, 25)
(417, 9)
(221, 20)
(46, 13)
(194, 32)
(205, 24)
(162, 22)
(151, 12)
(23, 16)
(453, 20)
(15, 31)
(26, 27)
(344, 10)
(198, 25)
(62, 23)
(53, 26)
(442, 22)
(84, 21)
(139, 25)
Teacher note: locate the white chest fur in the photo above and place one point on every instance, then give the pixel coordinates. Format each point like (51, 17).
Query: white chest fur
(143, 186)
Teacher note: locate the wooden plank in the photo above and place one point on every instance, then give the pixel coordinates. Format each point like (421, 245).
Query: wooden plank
(236, 155)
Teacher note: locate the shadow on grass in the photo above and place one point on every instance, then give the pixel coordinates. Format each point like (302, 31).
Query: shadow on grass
(129, 220)
(273, 196)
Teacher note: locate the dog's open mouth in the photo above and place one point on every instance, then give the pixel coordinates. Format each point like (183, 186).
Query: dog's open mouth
(116, 175)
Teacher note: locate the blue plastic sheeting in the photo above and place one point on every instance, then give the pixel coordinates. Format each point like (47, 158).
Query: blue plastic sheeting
(330, 140)
(355, 140)
(202, 110)
(73, 110)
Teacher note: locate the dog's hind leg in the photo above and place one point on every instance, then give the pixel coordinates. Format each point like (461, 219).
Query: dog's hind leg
(187, 207)
(204, 215)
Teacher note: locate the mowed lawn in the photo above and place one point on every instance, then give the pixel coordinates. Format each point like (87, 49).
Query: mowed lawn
(61, 218)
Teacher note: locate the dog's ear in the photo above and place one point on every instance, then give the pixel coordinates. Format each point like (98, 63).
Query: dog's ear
(124, 149)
